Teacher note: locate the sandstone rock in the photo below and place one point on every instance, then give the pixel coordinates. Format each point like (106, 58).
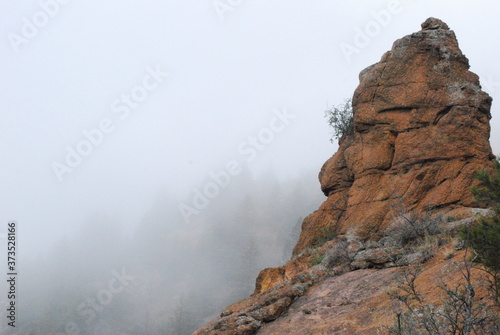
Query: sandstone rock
(413, 258)
(376, 258)
(247, 316)
(433, 23)
(334, 307)
(358, 303)
(421, 132)
(268, 278)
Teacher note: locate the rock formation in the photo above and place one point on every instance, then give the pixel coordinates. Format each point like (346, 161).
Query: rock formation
(421, 132)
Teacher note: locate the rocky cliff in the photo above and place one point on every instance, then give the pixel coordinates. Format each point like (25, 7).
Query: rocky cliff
(421, 132)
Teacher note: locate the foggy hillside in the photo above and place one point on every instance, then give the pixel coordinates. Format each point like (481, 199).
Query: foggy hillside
(169, 277)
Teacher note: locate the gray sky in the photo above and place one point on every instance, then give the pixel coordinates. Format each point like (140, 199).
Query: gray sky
(229, 72)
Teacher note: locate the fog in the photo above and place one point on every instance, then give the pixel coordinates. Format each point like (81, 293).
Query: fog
(157, 155)
(164, 278)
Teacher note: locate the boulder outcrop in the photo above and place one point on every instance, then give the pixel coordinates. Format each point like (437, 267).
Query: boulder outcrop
(421, 133)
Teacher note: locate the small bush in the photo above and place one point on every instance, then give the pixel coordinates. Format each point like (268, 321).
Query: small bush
(338, 255)
(411, 229)
(325, 234)
(488, 191)
(485, 240)
(484, 236)
(460, 311)
(341, 119)
(317, 259)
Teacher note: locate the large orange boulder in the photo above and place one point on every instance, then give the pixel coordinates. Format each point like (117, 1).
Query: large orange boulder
(421, 132)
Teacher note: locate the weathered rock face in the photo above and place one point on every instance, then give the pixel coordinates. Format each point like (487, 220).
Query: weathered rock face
(357, 302)
(421, 132)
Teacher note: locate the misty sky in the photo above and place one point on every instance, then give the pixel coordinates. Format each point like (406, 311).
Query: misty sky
(178, 90)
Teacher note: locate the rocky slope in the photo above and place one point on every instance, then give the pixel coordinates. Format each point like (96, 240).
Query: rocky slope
(421, 132)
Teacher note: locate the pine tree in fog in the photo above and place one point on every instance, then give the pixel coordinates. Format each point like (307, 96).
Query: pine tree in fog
(291, 240)
(246, 270)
